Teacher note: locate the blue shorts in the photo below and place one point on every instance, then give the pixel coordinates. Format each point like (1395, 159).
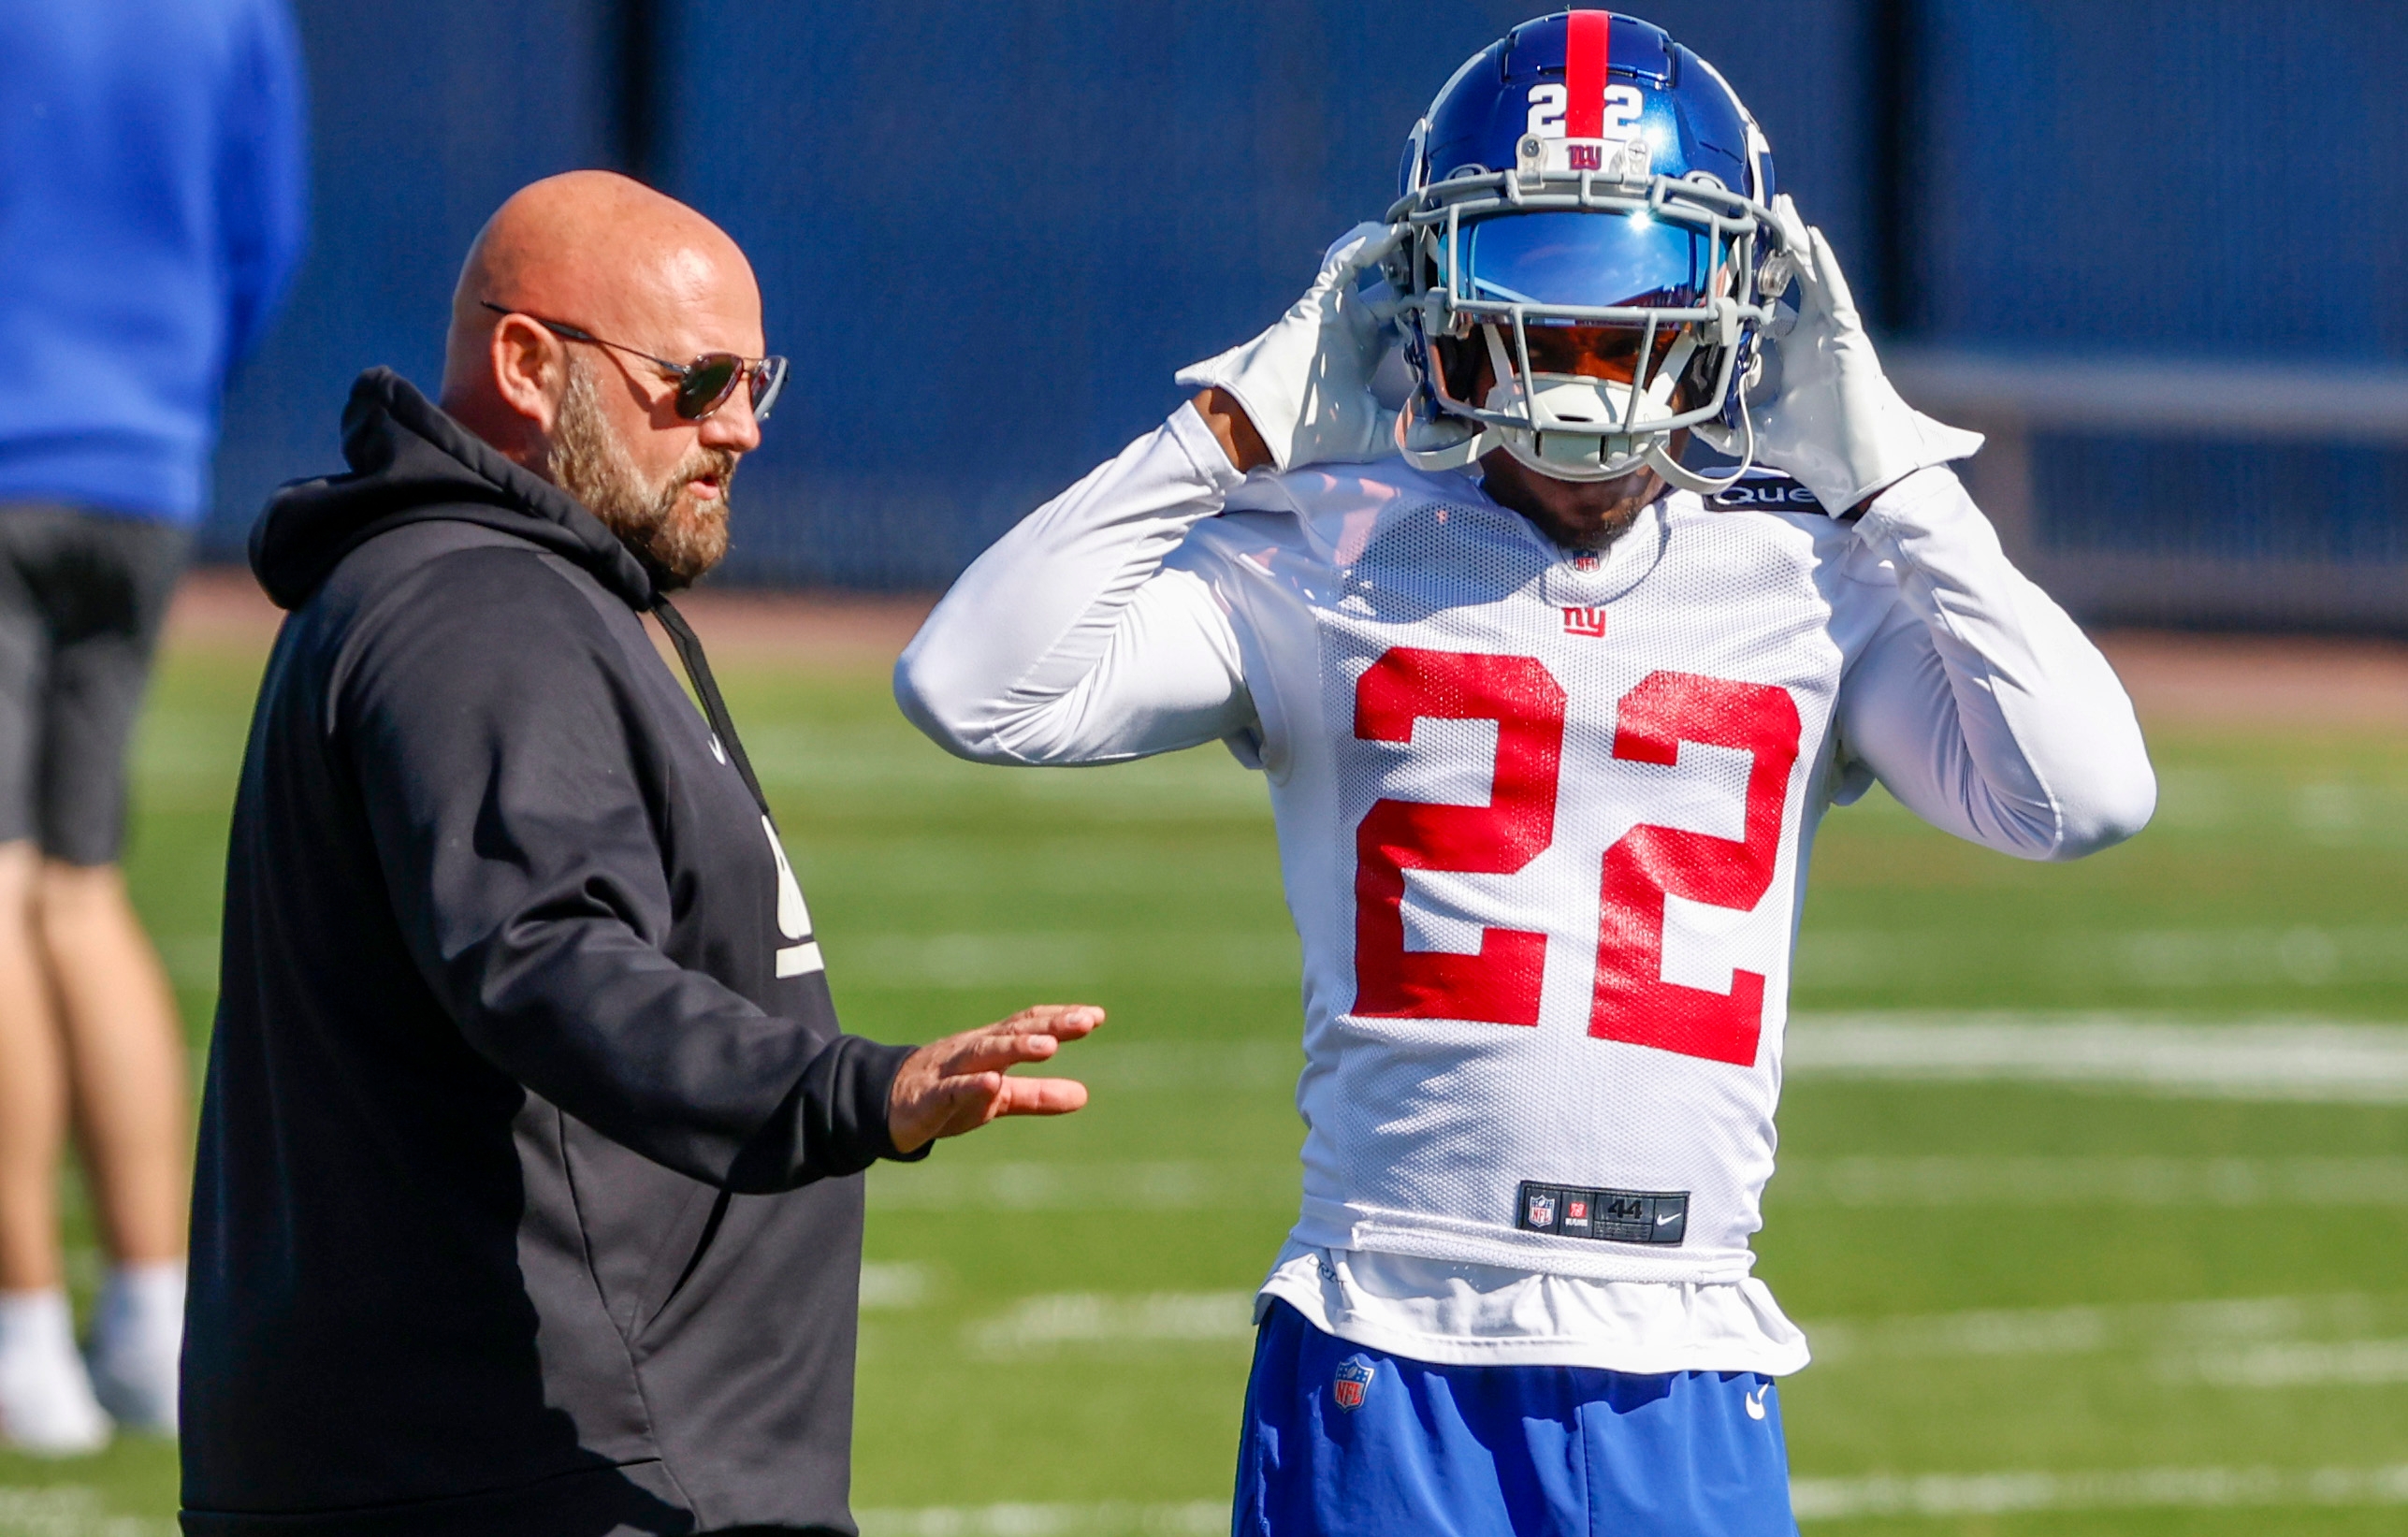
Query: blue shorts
(1339, 1438)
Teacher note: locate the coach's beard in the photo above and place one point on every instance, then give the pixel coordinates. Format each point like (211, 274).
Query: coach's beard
(676, 536)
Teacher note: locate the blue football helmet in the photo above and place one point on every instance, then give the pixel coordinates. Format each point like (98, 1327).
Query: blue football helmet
(1592, 254)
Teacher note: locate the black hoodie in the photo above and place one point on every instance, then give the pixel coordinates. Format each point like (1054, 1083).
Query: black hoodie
(528, 1198)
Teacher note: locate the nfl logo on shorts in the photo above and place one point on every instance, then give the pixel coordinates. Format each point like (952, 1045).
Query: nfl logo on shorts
(1354, 1379)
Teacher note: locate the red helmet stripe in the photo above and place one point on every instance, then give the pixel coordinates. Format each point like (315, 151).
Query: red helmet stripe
(1585, 54)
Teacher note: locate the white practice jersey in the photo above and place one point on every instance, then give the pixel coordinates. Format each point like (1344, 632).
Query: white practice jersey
(1544, 815)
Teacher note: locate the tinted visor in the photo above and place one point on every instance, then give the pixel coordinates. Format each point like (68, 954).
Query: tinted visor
(1590, 260)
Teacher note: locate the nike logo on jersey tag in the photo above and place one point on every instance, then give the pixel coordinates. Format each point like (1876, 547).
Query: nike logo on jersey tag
(1583, 621)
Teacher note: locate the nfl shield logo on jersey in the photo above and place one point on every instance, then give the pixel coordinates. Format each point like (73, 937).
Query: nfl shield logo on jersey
(1542, 1212)
(1354, 1380)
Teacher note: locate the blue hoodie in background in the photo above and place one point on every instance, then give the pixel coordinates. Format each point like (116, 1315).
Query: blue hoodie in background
(151, 207)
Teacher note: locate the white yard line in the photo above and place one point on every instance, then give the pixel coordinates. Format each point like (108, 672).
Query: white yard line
(892, 1286)
(2220, 1329)
(1044, 1325)
(2341, 1363)
(2280, 1060)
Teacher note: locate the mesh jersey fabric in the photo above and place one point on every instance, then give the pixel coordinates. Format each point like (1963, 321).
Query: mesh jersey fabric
(1449, 776)
(1543, 816)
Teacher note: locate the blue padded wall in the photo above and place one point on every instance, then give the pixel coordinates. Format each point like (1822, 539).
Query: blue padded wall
(422, 119)
(2216, 178)
(2221, 179)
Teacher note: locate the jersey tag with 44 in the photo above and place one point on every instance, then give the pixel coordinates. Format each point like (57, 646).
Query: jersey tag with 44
(1612, 1216)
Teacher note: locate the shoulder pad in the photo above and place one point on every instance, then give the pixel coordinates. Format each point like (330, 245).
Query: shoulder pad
(1765, 492)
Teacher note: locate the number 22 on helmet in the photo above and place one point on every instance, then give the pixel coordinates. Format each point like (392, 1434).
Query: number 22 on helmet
(1592, 257)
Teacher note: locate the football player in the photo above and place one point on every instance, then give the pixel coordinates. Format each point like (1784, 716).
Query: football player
(1550, 719)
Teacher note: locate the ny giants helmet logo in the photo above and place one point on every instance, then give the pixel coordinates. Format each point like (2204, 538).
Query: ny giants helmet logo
(1354, 1380)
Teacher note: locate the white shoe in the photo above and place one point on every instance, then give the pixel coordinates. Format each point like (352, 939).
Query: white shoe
(45, 1401)
(135, 1340)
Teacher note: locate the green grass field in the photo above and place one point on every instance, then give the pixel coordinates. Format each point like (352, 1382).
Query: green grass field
(2069, 1309)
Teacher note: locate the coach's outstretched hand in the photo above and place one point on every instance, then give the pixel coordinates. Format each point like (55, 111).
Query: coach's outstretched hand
(959, 1084)
(1305, 384)
(1836, 424)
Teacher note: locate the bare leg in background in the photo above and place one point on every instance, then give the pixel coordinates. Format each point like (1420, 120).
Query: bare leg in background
(126, 1058)
(33, 1085)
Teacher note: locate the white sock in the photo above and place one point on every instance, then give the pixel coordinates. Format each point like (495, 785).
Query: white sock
(135, 1340)
(142, 1308)
(37, 1326)
(45, 1400)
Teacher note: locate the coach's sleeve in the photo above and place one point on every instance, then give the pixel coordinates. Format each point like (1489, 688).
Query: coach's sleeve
(1980, 703)
(489, 715)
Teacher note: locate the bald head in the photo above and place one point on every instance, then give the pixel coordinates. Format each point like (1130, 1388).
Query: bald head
(609, 256)
(621, 263)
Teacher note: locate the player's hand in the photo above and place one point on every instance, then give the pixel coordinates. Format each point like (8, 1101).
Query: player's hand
(958, 1084)
(1834, 422)
(1304, 384)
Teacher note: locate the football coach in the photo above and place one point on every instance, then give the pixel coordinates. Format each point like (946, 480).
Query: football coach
(527, 1197)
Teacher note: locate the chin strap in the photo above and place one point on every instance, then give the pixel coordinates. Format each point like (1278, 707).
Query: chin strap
(1456, 453)
(1706, 486)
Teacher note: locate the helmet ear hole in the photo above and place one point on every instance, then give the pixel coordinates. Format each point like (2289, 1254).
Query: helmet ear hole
(1698, 378)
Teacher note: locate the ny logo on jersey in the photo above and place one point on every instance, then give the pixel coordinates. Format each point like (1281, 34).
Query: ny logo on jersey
(1583, 621)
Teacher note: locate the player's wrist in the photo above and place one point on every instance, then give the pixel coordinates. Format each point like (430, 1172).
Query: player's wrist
(1232, 428)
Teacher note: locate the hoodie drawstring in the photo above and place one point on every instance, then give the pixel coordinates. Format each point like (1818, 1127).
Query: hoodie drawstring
(714, 709)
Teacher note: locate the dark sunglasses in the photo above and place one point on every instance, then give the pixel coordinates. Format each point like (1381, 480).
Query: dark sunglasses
(704, 386)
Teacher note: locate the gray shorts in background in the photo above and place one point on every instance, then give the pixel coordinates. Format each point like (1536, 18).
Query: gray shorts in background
(81, 597)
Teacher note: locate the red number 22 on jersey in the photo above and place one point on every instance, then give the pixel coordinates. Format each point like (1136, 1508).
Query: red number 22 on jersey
(1632, 1002)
